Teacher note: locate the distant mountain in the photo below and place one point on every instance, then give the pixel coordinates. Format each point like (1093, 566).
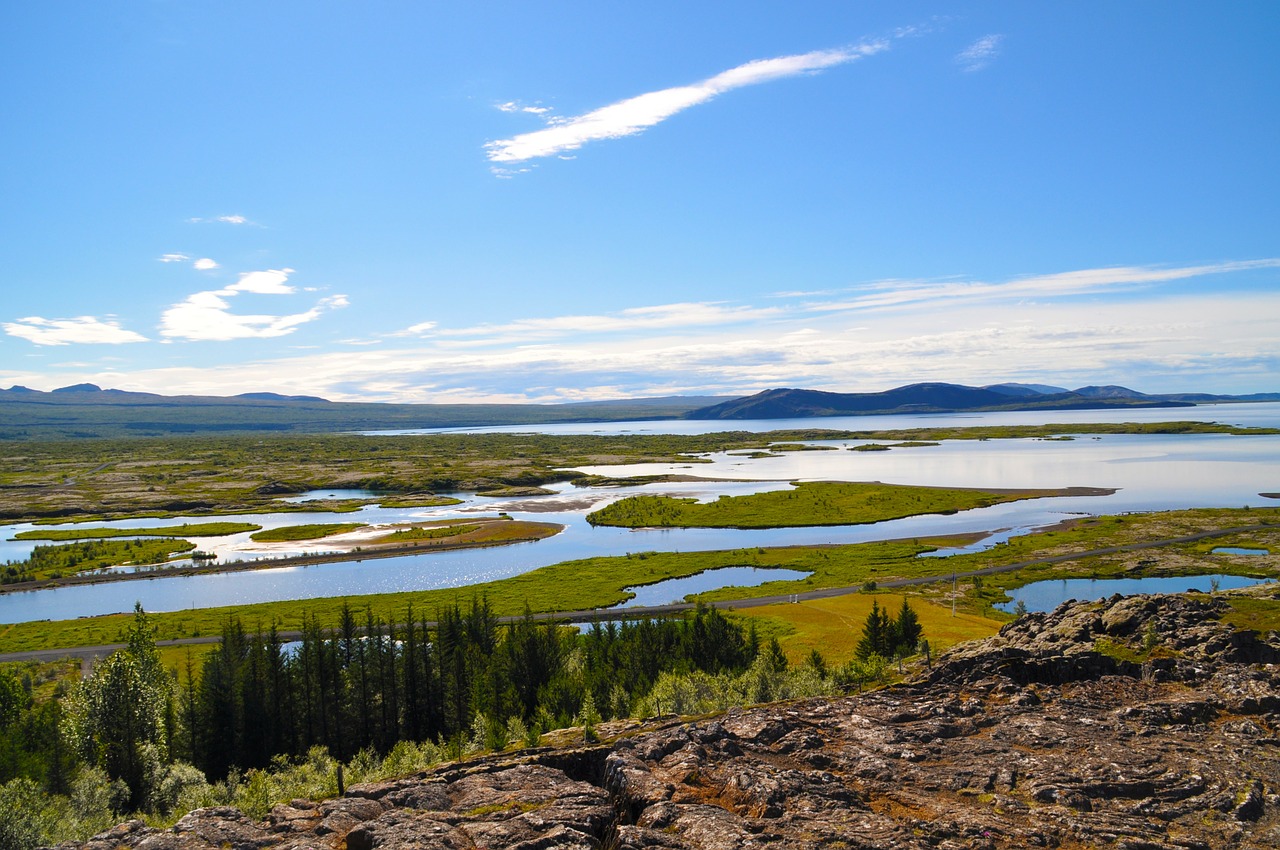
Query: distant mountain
(1109, 392)
(278, 397)
(930, 398)
(1025, 389)
(79, 388)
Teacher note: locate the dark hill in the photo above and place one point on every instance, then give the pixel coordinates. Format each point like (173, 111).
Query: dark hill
(919, 398)
(1025, 389)
(278, 397)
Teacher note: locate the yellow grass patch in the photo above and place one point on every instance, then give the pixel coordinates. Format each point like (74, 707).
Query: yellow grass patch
(833, 626)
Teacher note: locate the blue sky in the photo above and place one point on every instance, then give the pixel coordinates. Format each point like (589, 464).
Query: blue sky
(413, 201)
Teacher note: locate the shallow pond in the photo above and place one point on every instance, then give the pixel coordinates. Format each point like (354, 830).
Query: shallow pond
(1236, 550)
(1047, 595)
(676, 589)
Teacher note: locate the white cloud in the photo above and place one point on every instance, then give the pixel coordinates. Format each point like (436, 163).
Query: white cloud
(207, 316)
(981, 53)
(269, 282)
(636, 114)
(659, 317)
(513, 106)
(221, 219)
(203, 264)
(414, 330)
(80, 330)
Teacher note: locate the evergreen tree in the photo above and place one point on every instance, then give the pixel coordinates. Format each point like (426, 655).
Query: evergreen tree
(875, 634)
(907, 629)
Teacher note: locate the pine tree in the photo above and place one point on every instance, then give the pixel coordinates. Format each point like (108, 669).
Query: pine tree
(875, 634)
(907, 629)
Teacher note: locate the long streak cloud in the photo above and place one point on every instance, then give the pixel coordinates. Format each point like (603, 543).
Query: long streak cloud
(636, 114)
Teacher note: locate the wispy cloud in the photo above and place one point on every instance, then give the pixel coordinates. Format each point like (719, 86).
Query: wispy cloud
(980, 54)
(652, 318)
(636, 114)
(898, 294)
(514, 106)
(80, 330)
(222, 219)
(202, 264)
(413, 330)
(207, 316)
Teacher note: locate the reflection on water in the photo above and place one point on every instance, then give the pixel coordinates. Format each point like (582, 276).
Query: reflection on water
(1047, 595)
(676, 589)
(1150, 472)
(318, 495)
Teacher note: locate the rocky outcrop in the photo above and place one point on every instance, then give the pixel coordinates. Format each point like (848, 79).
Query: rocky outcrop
(1139, 723)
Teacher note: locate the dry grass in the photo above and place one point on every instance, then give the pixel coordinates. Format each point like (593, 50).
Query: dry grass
(833, 626)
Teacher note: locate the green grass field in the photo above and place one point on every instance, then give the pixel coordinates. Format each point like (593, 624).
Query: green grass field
(431, 532)
(187, 529)
(304, 532)
(811, 503)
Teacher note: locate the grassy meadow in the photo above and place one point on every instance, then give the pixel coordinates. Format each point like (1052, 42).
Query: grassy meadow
(810, 503)
(314, 531)
(187, 529)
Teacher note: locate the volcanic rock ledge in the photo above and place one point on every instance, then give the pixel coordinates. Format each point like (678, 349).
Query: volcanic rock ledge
(1034, 738)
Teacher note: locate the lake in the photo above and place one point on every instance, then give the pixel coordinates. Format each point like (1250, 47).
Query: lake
(1150, 472)
(1047, 595)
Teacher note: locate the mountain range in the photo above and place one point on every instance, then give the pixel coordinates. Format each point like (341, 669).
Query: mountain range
(950, 398)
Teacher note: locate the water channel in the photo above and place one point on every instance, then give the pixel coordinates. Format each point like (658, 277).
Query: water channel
(1149, 472)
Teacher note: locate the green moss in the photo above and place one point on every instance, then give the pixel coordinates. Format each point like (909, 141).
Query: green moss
(427, 501)
(433, 532)
(1124, 652)
(1252, 613)
(304, 532)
